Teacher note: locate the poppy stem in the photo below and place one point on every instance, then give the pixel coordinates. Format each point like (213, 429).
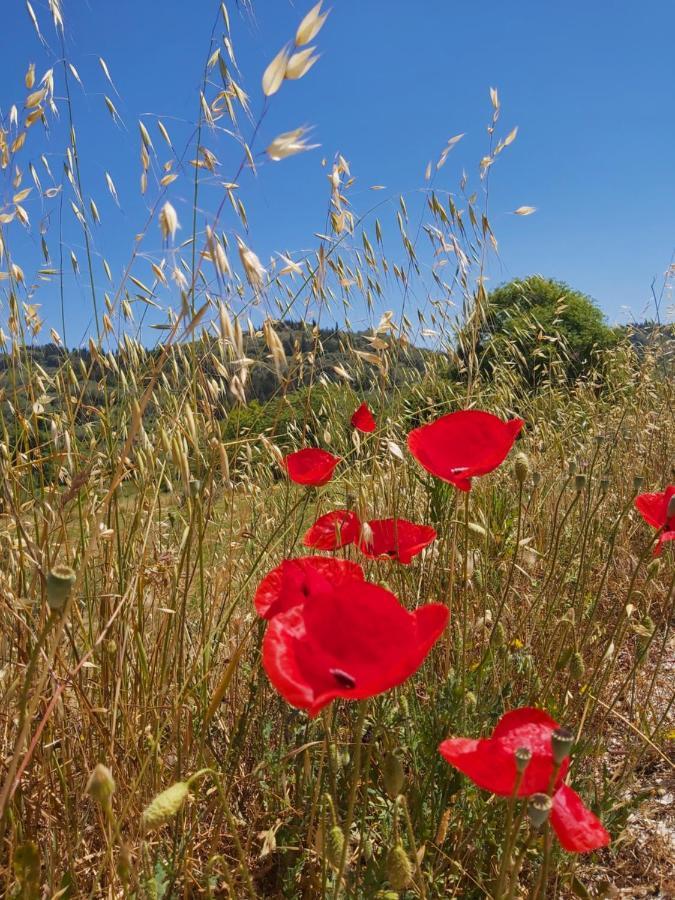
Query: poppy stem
(509, 836)
(413, 845)
(351, 803)
(465, 600)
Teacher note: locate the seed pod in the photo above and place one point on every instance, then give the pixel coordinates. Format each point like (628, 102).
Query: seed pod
(538, 809)
(334, 846)
(101, 785)
(562, 741)
(572, 467)
(577, 666)
(392, 775)
(60, 583)
(164, 806)
(670, 509)
(523, 756)
(579, 482)
(604, 484)
(638, 481)
(521, 467)
(536, 478)
(399, 868)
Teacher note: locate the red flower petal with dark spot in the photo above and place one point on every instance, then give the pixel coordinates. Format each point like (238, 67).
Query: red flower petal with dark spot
(310, 466)
(363, 419)
(296, 580)
(490, 762)
(576, 827)
(358, 642)
(334, 530)
(463, 444)
(396, 539)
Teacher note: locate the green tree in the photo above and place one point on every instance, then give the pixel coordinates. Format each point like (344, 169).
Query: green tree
(538, 324)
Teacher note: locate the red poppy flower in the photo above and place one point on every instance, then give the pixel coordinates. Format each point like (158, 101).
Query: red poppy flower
(395, 539)
(295, 580)
(310, 466)
(358, 642)
(490, 763)
(463, 444)
(334, 530)
(363, 419)
(658, 510)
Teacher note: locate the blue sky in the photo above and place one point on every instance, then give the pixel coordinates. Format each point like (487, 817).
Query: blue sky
(590, 86)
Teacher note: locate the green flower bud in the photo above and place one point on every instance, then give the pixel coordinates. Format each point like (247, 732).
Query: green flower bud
(521, 467)
(334, 846)
(164, 806)
(399, 868)
(101, 785)
(60, 583)
(577, 666)
(392, 775)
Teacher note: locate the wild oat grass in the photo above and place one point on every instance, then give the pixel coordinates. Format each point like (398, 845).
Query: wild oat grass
(144, 752)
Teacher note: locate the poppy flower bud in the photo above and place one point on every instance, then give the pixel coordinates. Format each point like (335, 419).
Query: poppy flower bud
(334, 846)
(101, 785)
(577, 666)
(638, 481)
(521, 467)
(399, 868)
(562, 740)
(538, 809)
(60, 583)
(392, 775)
(536, 478)
(164, 806)
(523, 756)
(579, 482)
(124, 863)
(572, 467)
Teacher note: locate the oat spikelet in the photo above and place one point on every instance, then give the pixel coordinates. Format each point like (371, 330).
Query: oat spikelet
(311, 25)
(168, 221)
(273, 76)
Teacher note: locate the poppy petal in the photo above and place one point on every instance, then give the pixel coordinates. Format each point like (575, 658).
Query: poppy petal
(666, 536)
(652, 508)
(334, 530)
(294, 580)
(490, 762)
(576, 827)
(396, 539)
(463, 444)
(363, 419)
(310, 466)
(358, 642)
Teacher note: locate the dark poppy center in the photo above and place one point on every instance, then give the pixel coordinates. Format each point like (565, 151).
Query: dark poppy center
(344, 679)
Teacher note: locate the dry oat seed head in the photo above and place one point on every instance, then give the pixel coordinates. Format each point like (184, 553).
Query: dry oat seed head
(168, 221)
(300, 63)
(274, 74)
(311, 25)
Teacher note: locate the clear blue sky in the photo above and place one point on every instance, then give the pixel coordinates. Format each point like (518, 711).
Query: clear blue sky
(591, 86)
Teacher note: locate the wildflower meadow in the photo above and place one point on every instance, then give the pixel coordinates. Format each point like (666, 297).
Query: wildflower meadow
(292, 608)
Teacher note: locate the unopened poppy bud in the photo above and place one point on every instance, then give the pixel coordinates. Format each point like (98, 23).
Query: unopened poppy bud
(638, 481)
(334, 846)
(572, 467)
(579, 482)
(523, 756)
(399, 868)
(470, 699)
(392, 775)
(60, 583)
(101, 785)
(538, 809)
(562, 740)
(164, 806)
(670, 509)
(521, 467)
(577, 666)
(499, 635)
(536, 478)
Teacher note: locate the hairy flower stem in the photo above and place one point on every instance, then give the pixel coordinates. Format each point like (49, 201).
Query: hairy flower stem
(351, 803)
(413, 845)
(509, 837)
